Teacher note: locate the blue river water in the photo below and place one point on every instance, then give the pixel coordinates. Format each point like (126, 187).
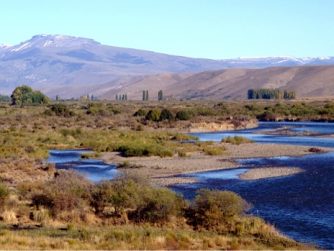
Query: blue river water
(93, 169)
(301, 205)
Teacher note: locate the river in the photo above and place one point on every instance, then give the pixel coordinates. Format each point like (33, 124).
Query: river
(301, 205)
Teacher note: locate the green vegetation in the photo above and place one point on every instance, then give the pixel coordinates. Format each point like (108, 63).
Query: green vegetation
(140, 113)
(69, 212)
(213, 209)
(24, 95)
(59, 209)
(183, 115)
(160, 95)
(213, 150)
(270, 94)
(121, 97)
(236, 140)
(145, 95)
(153, 115)
(166, 115)
(136, 202)
(59, 110)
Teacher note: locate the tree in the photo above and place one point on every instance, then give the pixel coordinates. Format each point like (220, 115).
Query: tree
(25, 95)
(251, 94)
(145, 95)
(160, 95)
(270, 94)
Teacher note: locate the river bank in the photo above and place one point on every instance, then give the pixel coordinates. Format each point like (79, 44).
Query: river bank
(163, 171)
(269, 172)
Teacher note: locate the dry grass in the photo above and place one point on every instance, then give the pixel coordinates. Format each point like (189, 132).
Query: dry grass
(136, 237)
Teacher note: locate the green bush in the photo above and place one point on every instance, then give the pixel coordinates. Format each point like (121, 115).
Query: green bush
(212, 208)
(119, 194)
(25, 95)
(96, 109)
(214, 150)
(144, 149)
(158, 205)
(236, 140)
(183, 115)
(153, 115)
(60, 110)
(135, 201)
(166, 115)
(140, 113)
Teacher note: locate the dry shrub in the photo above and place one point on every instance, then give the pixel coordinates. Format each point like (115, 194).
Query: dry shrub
(9, 217)
(67, 192)
(214, 209)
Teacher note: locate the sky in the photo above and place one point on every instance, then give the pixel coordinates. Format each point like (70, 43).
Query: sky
(214, 29)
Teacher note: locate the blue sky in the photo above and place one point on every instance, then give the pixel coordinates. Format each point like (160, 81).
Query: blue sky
(197, 28)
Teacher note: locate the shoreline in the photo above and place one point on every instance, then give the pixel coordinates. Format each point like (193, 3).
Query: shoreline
(269, 172)
(164, 171)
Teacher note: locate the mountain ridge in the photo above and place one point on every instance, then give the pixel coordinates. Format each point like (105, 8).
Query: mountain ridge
(74, 66)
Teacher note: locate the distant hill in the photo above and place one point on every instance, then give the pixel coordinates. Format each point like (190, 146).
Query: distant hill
(306, 81)
(74, 66)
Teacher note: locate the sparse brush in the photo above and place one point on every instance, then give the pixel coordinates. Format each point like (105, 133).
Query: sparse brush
(236, 140)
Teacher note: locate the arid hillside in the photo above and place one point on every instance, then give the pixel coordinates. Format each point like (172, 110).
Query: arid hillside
(306, 81)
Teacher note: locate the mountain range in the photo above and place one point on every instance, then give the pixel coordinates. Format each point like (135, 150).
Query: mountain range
(72, 66)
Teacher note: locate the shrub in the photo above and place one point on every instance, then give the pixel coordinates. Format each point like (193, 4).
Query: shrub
(120, 194)
(25, 95)
(60, 110)
(153, 115)
(183, 115)
(96, 109)
(143, 149)
(166, 115)
(211, 208)
(135, 201)
(213, 150)
(236, 140)
(158, 205)
(140, 113)
(66, 192)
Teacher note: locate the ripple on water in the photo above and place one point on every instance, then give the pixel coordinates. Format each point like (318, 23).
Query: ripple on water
(300, 205)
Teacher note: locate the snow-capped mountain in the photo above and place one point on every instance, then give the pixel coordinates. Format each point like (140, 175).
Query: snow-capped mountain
(50, 62)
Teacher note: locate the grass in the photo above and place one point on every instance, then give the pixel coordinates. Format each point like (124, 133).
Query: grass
(214, 150)
(236, 140)
(135, 237)
(26, 135)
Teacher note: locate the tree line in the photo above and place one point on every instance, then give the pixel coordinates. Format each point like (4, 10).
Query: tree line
(270, 94)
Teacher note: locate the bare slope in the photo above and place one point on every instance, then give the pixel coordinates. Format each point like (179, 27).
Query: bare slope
(307, 81)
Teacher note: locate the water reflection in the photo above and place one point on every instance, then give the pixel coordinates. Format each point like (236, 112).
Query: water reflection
(93, 169)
